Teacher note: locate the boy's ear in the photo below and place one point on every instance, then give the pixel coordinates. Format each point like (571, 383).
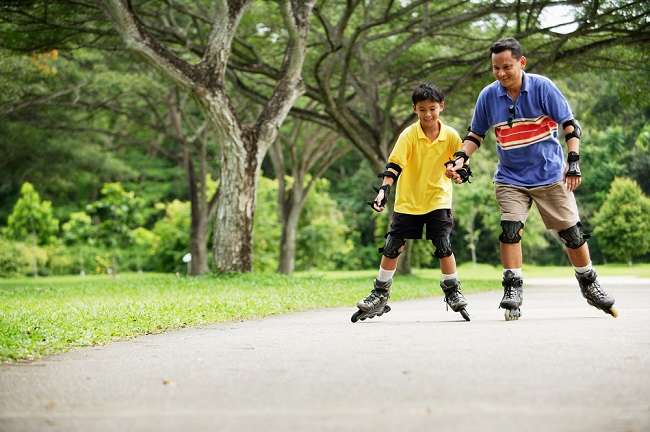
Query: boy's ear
(442, 106)
(414, 108)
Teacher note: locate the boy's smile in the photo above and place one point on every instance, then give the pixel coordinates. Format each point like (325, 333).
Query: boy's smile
(428, 112)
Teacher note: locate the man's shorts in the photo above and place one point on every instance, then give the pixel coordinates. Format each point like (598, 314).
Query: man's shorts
(439, 223)
(555, 203)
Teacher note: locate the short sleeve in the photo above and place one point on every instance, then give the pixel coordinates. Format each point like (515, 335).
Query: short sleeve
(480, 122)
(400, 152)
(554, 103)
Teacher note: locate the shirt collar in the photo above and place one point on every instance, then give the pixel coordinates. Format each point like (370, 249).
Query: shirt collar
(442, 135)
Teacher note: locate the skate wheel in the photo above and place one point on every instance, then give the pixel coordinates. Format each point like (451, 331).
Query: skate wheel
(613, 312)
(386, 309)
(465, 315)
(512, 314)
(355, 316)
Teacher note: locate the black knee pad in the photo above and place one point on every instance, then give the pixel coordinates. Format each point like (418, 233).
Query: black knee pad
(393, 246)
(443, 246)
(573, 237)
(510, 231)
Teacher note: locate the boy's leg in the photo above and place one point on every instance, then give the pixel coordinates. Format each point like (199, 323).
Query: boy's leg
(440, 224)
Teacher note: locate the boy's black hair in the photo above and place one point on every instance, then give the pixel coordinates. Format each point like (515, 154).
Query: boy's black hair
(427, 91)
(507, 44)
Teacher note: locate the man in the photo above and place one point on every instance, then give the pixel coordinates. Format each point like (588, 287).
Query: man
(526, 111)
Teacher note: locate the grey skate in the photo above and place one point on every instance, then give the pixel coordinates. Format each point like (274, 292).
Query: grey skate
(513, 295)
(375, 304)
(595, 294)
(454, 299)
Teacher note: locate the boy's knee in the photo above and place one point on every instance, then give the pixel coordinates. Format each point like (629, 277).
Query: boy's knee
(443, 246)
(393, 247)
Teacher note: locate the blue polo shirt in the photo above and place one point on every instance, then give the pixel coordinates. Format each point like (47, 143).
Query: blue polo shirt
(526, 130)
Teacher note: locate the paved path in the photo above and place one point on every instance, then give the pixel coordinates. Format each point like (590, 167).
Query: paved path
(563, 367)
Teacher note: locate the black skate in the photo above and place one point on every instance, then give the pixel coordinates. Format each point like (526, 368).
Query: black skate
(595, 294)
(375, 304)
(513, 295)
(454, 299)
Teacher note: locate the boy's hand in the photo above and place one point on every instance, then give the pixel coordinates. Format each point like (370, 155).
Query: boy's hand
(379, 203)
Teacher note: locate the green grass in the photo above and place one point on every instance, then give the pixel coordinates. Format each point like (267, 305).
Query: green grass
(44, 316)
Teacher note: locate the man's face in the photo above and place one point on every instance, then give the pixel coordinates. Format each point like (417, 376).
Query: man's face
(507, 69)
(428, 111)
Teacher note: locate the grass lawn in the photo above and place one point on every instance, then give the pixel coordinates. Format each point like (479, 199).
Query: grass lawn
(44, 316)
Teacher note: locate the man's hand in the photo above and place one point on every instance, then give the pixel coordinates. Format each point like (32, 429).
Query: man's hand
(457, 168)
(379, 203)
(572, 174)
(451, 170)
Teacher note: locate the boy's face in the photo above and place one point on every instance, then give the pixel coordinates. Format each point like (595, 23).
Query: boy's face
(428, 111)
(507, 69)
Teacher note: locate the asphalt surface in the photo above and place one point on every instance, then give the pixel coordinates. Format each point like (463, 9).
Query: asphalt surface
(564, 366)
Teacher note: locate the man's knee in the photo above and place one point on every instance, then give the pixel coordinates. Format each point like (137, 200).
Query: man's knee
(510, 231)
(573, 237)
(442, 244)
(393, 246)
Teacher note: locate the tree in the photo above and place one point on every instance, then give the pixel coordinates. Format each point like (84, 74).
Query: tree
(622, 224)
(304, 152)
(243, 146)
(32, 219)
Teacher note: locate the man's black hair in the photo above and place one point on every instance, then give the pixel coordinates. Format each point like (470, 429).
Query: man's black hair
(427, 91)
(507, 44)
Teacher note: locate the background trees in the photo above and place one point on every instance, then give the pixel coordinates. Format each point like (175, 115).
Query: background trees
(78, 112)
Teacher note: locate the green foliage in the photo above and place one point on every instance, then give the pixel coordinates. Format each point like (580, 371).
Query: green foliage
(266, 226)
(12, 261)
(32, 218)
(322, 232)
(321, 238)
(116, 213)
(169, 239)
(78, 229)
(622, 224)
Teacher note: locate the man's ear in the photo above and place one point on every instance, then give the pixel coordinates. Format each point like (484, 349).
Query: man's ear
(522, 62)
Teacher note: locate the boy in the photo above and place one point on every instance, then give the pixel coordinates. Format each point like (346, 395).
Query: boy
(423, 198)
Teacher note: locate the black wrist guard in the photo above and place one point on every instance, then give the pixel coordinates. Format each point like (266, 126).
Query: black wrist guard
(574, 164)
(386, 189)
(465, 173)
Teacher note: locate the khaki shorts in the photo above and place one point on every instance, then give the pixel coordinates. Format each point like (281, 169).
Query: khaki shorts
(555, 203)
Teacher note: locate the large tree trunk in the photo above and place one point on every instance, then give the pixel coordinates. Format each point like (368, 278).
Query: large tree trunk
(233, 227)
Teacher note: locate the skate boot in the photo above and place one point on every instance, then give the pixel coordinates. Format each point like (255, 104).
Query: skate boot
(595, 294)
(375, 304)
(513, 295)
(454, 299)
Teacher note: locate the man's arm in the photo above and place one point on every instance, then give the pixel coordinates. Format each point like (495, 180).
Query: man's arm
(572, 175)
(471, 143)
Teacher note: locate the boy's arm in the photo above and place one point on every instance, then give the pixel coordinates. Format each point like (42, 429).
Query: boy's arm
(389, 177)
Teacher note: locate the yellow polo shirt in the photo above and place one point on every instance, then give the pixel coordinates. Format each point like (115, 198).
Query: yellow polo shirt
(422, 186)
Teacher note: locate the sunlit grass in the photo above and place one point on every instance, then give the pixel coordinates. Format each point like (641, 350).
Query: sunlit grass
(43, 316)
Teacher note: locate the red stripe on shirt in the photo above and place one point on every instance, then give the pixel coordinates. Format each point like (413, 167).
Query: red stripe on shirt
(525, 131)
